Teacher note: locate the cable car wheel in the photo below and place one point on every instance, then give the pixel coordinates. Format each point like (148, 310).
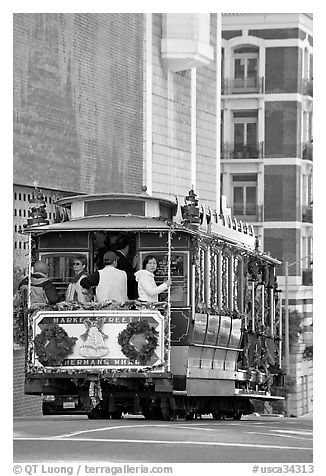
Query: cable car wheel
(116, 415)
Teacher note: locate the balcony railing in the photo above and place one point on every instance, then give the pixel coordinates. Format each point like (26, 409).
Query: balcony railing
(248, 212)
(307, 87)
(243, 85)
(307, 214)
(307, 151)
(238, 151)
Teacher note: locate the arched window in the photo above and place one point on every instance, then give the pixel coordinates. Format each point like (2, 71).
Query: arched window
(245, 68)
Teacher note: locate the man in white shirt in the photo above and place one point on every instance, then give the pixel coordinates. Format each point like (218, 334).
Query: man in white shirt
(111, 283)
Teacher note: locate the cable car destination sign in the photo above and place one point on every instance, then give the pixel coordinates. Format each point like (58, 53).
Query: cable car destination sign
(99, 338)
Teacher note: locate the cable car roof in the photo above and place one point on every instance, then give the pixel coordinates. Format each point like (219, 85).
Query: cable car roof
(128, 212)
(104, 222)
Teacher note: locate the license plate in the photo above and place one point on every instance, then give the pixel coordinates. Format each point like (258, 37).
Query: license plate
(69, 404)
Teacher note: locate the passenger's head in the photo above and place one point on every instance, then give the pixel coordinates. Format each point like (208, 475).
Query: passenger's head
(110, 258)
(41, 267)
(79, 263)
(122, 244)
(150, 263)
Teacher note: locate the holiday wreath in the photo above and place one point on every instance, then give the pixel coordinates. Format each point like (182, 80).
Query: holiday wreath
(53, 345)
(147, 350)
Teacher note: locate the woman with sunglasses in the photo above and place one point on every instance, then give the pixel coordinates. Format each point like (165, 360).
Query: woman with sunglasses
(75, 292)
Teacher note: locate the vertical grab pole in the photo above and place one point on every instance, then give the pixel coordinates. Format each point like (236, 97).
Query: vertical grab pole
(29, 270)
(253, 306)
(280, 336)
(263, 304)
(272, 311)
(169, 301)
(245, 310)
(193, 291)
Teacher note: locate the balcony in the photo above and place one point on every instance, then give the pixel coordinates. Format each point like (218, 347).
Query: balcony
(243, 85)
(238, 151)
(248, 212)
(307, 87)
(307, 214)
(307, 151)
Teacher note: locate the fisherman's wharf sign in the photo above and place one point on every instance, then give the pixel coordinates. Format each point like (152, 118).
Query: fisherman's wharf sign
(93, 336)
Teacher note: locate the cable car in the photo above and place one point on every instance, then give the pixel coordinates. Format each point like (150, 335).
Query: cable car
(209, 345)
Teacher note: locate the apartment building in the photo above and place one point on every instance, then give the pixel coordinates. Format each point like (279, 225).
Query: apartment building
(123, 102)
(267, 153)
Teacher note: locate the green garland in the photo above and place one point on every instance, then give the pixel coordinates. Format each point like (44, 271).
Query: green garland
(132, 329)
(53, 345)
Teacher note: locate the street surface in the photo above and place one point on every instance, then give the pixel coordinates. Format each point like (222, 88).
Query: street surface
(133, 439)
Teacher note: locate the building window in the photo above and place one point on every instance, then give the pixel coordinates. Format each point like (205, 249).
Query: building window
(244, 194)
(245, 134)
(245, 64)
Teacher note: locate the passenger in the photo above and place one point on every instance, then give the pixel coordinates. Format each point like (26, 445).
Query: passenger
(42, 289)
(111, 283)
(122, 248)
(147, 288)
(75, 292)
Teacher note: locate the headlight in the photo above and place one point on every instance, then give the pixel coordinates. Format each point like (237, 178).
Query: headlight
(48, 398)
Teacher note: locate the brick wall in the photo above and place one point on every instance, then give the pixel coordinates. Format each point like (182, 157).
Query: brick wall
(206, 127)
(301, 400)
(172, 125)
(283, 243)
(282, 193)
(282, 125)
(281, 70)
(278, 33)
(23, 405)
(78, 101)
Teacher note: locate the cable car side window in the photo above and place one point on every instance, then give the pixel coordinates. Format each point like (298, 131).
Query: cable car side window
(226, 260)
(238, 284)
